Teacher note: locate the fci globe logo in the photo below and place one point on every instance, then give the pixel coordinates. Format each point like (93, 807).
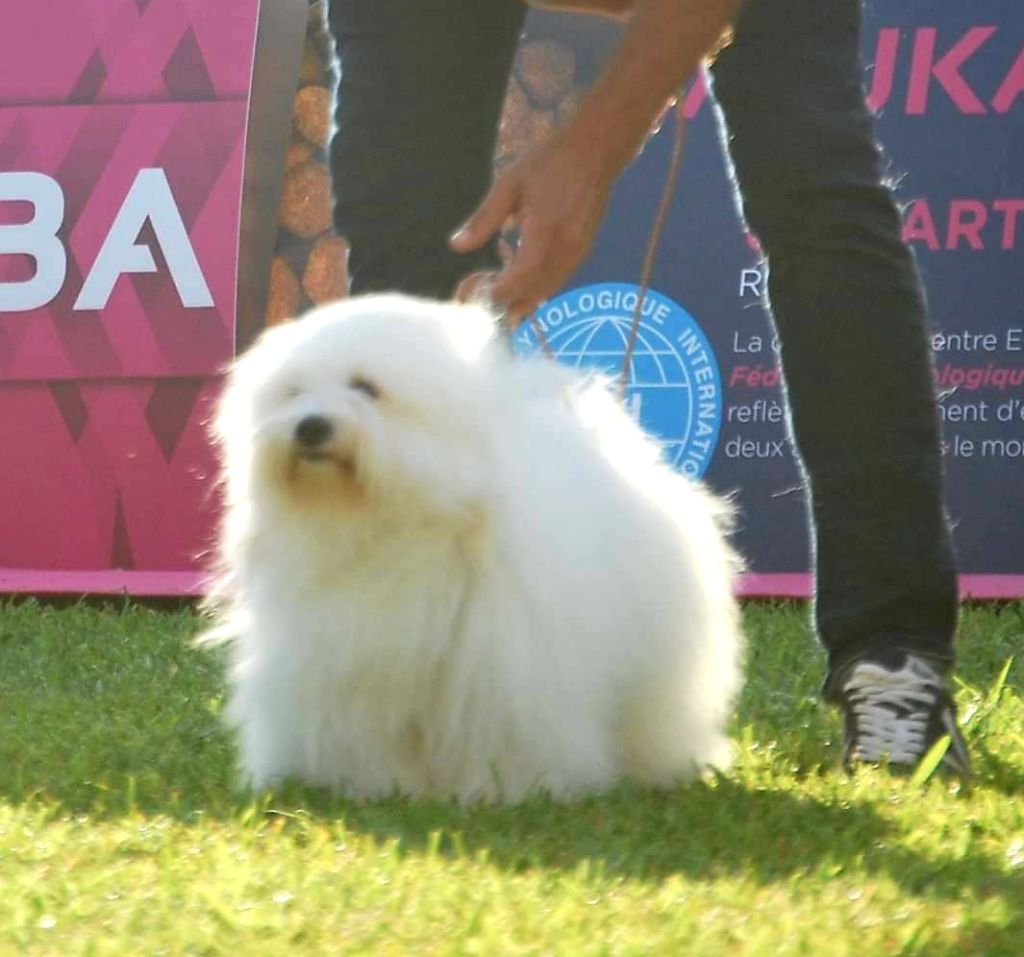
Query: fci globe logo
(674, 386)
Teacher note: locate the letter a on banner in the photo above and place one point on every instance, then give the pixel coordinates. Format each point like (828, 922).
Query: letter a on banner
(37, 238)
(149, 198)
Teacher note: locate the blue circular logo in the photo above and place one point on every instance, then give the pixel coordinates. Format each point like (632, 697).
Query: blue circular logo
(674, 389)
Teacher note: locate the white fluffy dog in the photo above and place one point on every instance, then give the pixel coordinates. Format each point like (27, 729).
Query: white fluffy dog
(450, 571)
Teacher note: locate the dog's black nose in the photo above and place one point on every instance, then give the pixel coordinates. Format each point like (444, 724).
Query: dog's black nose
(312, 431)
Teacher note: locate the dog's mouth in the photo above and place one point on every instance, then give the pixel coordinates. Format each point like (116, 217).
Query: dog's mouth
(317, 455)
(324, 461)
(340, 460)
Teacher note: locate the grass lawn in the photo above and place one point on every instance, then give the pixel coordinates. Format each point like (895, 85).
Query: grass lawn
(121, 833)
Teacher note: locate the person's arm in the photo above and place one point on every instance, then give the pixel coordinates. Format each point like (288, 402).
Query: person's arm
(558, 193)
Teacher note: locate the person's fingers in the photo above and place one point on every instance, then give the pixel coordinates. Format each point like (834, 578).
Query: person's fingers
(518, 312)
(549, 251)
(499, 203)
(521, 281)
(475, 287)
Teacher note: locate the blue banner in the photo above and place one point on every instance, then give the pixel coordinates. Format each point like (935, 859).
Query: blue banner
(946, 80)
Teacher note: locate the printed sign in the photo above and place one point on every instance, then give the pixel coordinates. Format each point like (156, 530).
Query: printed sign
(673, 383)
(122, 129)
(948, 84)
(121, 147)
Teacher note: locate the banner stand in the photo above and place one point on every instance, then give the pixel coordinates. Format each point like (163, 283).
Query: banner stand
(280, 33)
(197, 135)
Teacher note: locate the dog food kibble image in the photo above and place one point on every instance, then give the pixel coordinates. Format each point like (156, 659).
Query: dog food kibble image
(310, 262)
(568, 105)
(324, 278)
(306, 200)
(312, 115)
(285, 293)
(547, 69)
(542, 93)
(297, 153)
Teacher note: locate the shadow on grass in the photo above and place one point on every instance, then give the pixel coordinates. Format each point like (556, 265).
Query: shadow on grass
(709, 830)
(111, 733)
(998, 774)
(704, 831)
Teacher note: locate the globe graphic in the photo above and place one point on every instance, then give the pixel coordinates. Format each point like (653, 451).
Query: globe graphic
(661, 387)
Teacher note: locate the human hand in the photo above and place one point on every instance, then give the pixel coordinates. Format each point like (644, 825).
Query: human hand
(557, 195)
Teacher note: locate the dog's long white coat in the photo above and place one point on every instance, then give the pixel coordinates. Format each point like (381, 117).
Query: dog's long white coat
(508, 590)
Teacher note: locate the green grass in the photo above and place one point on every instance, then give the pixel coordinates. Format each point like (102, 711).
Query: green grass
(121, 833)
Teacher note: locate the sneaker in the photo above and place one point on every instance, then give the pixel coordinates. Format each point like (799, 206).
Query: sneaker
(898, 713)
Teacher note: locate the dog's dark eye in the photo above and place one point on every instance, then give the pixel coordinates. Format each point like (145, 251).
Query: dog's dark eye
(368, 387)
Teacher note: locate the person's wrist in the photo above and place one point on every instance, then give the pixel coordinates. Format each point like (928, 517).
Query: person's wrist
(599, 146)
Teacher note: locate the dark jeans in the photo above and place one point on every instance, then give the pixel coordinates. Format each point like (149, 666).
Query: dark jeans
(421, 88)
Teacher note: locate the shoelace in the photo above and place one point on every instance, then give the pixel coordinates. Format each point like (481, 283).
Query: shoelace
(891, 710)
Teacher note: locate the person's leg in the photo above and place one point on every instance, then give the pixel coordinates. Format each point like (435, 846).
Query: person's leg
(419, 100)
(849, 310)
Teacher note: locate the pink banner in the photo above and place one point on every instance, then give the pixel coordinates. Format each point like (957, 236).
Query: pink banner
(126, 51)
(142, 265)
(122, 139)
(121, 147)
(105, 474)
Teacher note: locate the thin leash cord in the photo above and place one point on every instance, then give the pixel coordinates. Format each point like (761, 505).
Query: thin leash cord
(541, 338)
(668, 191)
